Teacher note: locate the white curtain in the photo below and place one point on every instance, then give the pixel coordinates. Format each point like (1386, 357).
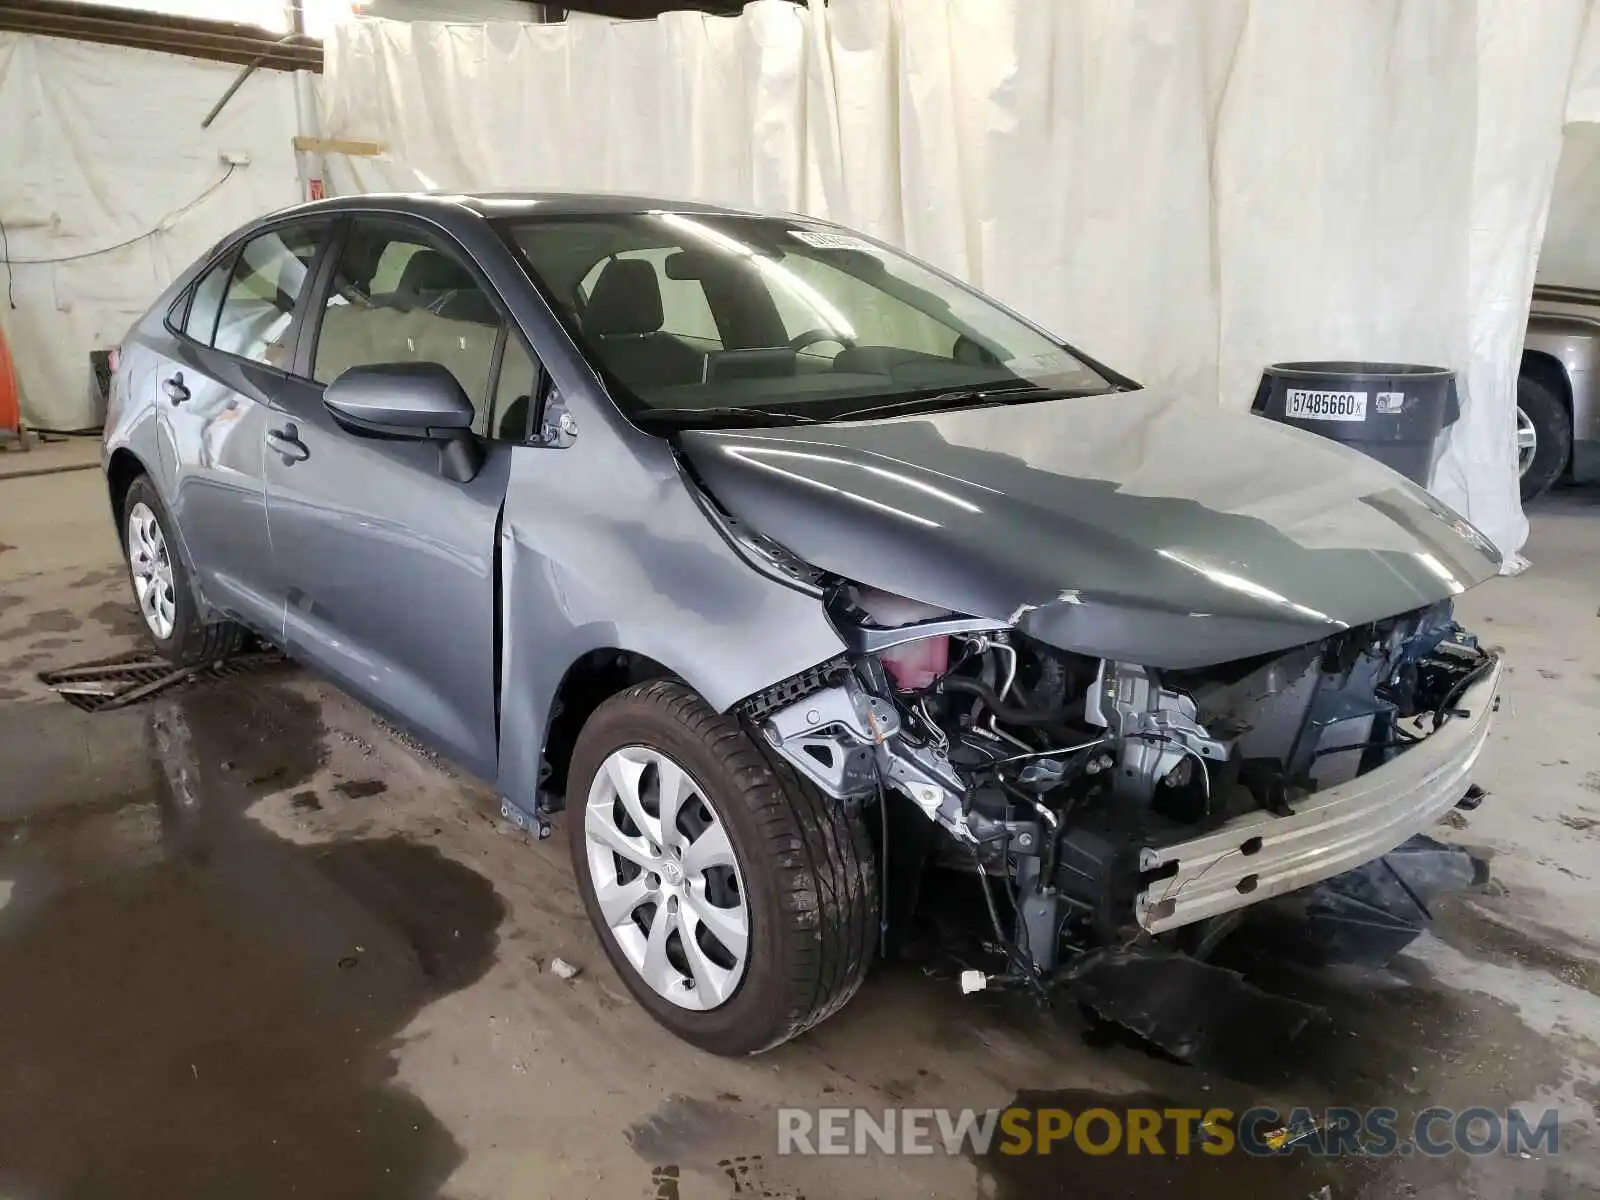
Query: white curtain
(1570, 254)
(101, 146)
(1188, 191)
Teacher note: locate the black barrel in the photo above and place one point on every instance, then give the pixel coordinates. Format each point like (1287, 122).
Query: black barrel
(1393, 412)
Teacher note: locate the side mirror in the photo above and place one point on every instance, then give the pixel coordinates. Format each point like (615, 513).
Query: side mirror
(415, 400)
(411, 401)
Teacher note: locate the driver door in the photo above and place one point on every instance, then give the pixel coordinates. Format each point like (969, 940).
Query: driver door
(389, 568)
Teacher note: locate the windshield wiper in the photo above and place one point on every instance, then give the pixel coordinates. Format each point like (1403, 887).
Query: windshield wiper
(716, 415)
(962, 397)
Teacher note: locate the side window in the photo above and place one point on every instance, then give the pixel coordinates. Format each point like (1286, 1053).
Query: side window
(684, 310)
(261, 291)
(399, 297)
(514, 391)
(201, 324)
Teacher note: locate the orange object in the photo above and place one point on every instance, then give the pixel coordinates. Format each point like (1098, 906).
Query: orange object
(10, 393)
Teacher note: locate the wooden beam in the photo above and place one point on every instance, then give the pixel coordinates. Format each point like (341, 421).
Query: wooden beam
(222, 41)
(355, 147)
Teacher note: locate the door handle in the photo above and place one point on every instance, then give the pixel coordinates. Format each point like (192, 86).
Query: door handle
(176, 391)
(287, 443)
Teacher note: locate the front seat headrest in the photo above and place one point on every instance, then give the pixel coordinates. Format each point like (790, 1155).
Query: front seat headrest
(626, 300)
(433, 271)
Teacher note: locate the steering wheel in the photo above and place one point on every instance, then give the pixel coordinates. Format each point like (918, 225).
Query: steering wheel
(812, 336)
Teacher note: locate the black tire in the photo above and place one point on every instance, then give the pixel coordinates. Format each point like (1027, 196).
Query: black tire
(191, 641)
(811, 881)
(1554, 427)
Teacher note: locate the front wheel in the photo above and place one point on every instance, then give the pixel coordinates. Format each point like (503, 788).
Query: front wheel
(738, 903)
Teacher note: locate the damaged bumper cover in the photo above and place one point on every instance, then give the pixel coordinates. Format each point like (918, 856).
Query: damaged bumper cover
(1260, 855)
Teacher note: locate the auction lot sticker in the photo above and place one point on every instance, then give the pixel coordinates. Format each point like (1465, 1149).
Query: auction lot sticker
(1326, 406)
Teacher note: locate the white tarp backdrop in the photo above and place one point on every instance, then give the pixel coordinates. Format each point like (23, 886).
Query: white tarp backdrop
(100, 145)
(1187, 190)
(1571, 251)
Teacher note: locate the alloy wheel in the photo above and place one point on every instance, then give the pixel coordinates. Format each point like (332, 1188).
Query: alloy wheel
(151, 567)
(666, 878)
(1527, 442)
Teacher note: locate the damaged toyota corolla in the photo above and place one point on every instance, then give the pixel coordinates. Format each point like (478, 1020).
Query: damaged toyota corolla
(790, 571)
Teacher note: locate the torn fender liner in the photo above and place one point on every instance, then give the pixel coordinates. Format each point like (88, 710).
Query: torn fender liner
(1191, 1009)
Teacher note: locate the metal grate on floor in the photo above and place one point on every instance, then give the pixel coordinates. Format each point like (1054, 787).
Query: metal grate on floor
(125, 679)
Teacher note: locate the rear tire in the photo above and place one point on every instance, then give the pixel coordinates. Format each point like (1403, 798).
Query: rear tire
(162, 583)
(1551, 427)
(806, 875)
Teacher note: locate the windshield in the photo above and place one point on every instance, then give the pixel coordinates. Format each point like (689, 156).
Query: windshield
(782, 319)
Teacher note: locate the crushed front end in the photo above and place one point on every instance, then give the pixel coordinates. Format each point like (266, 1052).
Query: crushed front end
(1119, 804)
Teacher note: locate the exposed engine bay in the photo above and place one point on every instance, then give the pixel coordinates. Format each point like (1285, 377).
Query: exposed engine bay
(1116, 802)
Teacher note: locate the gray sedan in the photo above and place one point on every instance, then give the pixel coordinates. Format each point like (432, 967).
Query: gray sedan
(1558, 390)
(767, 554)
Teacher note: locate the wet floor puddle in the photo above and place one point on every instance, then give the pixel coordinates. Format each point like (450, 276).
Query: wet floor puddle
(1393, 1039)
(1164, 1165)
(193, 1006)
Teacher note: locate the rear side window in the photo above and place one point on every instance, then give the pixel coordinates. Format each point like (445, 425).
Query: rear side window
(261, 291)
(201, 322)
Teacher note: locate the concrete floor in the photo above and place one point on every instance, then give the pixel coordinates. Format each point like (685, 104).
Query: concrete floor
(251, 941)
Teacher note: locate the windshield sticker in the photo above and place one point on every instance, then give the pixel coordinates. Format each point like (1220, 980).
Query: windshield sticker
(831, 241)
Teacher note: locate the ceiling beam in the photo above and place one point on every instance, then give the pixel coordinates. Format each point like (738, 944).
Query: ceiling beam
(220, 41)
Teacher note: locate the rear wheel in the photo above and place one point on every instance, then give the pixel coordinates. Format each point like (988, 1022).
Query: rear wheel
(161, 587)
(738, 903)
(1544, 436)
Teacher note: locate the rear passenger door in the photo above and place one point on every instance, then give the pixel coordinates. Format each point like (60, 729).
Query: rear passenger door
(390, 567)
(236, 330)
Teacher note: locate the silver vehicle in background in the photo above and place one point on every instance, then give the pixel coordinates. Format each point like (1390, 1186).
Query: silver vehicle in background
(771, 555)
(1558, 390)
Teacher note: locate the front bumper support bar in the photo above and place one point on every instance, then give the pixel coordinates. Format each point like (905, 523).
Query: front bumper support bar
(1259, 855)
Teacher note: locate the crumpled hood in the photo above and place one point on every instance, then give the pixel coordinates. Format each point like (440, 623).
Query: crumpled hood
(1133, 526)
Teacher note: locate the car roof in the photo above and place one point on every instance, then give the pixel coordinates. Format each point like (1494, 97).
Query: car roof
(528, 204)
(520, 204)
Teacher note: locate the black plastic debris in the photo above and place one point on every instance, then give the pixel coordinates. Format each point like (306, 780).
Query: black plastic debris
(1194, 1010)
(125, 679)
(1368, 915)
(1429, 868)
